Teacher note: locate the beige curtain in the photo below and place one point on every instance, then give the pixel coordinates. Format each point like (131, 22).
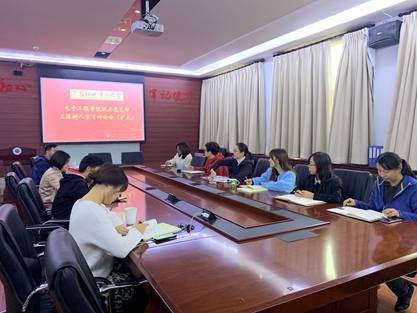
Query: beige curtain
(233, 109)
(300, 100)
(402, 134)
(351, 129)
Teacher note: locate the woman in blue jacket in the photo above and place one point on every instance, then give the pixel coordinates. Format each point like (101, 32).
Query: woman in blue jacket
(394, 194)
(279, 176)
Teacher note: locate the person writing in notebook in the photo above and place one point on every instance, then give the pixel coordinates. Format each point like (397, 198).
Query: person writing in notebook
(395, 194)
(213, 154)
(93, 228)
(279, 176)
(322, 184)
(182, 159)
(241, 165)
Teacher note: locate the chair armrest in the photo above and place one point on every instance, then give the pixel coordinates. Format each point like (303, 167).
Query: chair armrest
(121, 285)
(64, 222)
(42, 227)
(41, 288)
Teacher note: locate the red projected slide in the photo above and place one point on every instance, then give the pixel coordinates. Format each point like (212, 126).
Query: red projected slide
(91, 111)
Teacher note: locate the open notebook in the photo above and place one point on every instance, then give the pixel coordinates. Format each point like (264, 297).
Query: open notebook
(364, 215)
(252, 189)
(193, 172)
(299, 200)
(156, 230)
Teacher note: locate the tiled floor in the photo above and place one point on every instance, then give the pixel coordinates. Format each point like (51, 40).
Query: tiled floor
(386, 302)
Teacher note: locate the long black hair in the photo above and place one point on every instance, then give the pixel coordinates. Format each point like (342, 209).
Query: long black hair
(392, 161)
(110, 175)
(282, 156)
(244, 148)
(323, 165)
(184, 149)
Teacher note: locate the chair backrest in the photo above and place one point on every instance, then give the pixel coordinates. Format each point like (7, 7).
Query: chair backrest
(105, 156)
(130, 158)
(11, 183)
(19, 266)
(356, 184)
(301, 170)
(198, 160)
(30, 200)
(261, 166)
(19, 170)
(71, 284)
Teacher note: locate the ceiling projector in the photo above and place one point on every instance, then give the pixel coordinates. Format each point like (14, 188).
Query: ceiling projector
(148, 24)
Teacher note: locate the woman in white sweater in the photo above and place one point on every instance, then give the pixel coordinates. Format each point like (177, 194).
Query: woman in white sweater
(102, 239)
(181, 160)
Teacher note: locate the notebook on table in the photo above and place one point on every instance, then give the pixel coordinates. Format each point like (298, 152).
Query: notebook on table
(299, 200)
(193, 172)
(364, 215)
(156, 229)
(252, 189)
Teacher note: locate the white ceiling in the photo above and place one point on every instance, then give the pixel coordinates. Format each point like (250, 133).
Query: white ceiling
(197, 32)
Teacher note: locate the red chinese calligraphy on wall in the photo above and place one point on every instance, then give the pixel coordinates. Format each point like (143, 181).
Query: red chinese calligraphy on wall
(6, 87)
(176, 95)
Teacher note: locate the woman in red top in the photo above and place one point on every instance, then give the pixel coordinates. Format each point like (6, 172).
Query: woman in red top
(213, 154)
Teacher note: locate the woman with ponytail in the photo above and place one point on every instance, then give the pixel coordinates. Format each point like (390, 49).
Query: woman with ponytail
(394, 194)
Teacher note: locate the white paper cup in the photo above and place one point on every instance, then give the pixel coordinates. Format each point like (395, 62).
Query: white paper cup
(130, 215)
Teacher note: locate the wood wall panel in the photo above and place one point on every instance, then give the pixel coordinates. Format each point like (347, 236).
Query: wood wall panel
(172, 108)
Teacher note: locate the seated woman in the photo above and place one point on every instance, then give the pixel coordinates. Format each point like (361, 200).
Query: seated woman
(279, 177)
(241, 165)
(49, 184)
(93, 228)
(182, 158)
(322, 184)
(213, 154)
(394, 194)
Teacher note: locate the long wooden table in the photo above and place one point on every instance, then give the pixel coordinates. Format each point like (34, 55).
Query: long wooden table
(336, 271)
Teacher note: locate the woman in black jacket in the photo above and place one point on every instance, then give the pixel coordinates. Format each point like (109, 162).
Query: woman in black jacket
(321, 184)
(240, 166)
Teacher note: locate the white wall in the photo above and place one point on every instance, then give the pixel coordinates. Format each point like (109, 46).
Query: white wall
(78, 151)
(385, 76)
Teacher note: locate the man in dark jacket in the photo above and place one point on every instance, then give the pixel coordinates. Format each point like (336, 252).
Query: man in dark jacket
(74, 186)
(41, 162)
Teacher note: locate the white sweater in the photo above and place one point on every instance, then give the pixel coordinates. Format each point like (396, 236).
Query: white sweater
(186, 161)
(93, 228)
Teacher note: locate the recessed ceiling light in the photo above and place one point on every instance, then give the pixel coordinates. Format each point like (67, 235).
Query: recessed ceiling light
(122, 29)
(35, 48)
(137, 11)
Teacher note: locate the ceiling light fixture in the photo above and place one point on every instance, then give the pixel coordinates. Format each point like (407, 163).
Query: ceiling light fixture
(335, 20)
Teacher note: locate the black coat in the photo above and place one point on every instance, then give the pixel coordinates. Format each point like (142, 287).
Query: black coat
(240, 171)
(329, 190)
(72, 187)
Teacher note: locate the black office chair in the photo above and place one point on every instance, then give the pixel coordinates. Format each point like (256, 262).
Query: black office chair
(72, 287)
(20, 269)
(356, 184)
(198, 160)
(132, 158)
(105, 156)
(301, 170)
(31, 202)
(261, 166)
(19, 170)
(12, 180)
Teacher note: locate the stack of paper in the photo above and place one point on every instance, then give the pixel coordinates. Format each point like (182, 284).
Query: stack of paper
(364, 215)
(299, 200)
(252, 189)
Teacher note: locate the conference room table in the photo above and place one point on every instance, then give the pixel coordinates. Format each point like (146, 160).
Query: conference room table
(337, 268)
